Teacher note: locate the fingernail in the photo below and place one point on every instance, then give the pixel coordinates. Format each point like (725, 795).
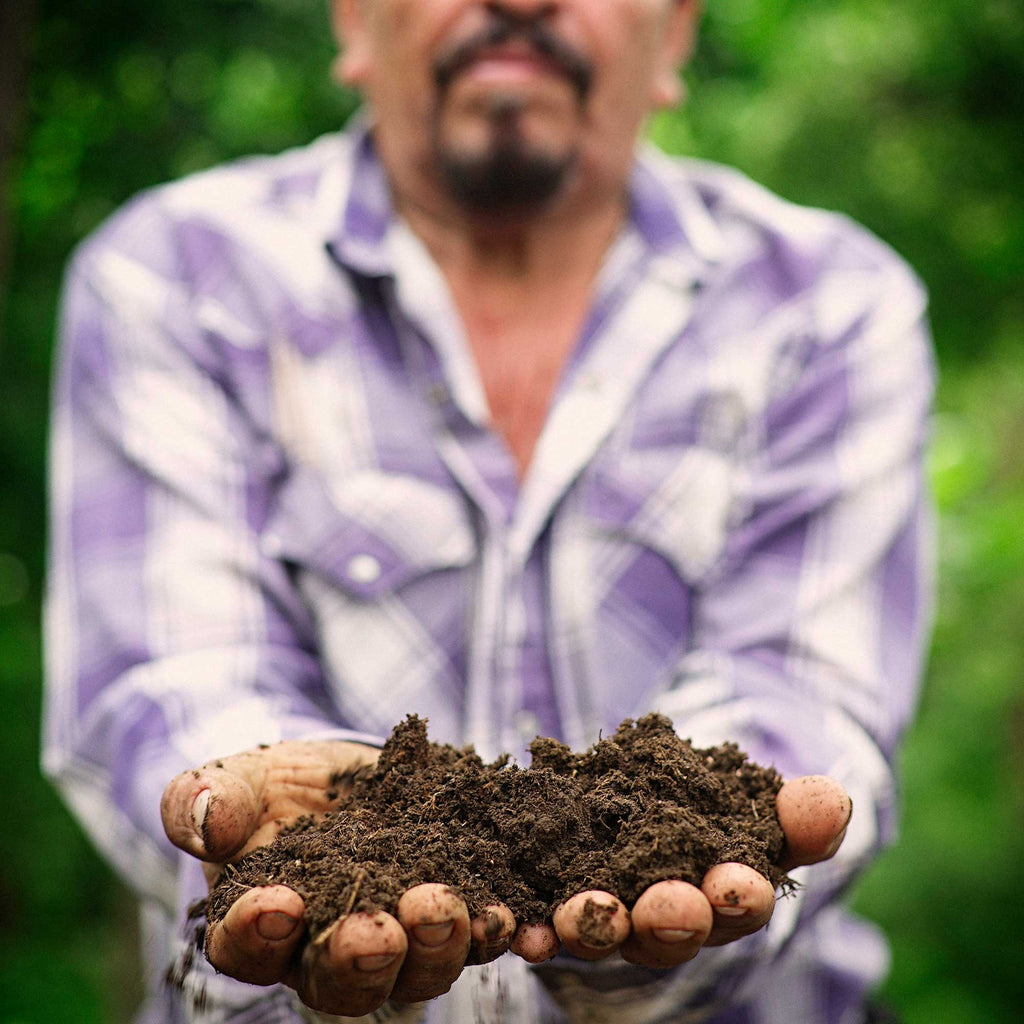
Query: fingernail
(672, 934)
(200, 808)
(275, 925)
(731, 911)
(835, 844)
(434, 934)
(376, 962)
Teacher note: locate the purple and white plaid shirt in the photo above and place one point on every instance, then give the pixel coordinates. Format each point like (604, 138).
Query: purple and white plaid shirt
(280, 512)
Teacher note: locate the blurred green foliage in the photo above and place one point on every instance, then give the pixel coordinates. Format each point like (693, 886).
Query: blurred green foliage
(905, 116)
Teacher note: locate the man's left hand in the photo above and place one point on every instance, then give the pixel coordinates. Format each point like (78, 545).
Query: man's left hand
(673, 920)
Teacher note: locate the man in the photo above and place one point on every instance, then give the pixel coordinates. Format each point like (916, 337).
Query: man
(476, 411)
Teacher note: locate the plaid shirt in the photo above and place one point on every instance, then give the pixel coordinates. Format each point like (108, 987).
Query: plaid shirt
(279, 511)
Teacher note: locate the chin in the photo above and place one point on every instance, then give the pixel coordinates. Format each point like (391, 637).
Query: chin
(513, 160)
(505, 180)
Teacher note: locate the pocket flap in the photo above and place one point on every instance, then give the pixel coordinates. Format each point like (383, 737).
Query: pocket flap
(371, 534)
(678, 506)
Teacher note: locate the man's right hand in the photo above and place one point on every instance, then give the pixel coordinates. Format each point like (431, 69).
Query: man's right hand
(225, 809)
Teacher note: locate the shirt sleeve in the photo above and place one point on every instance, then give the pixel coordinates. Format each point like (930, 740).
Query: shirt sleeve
(171, 639)
(811, 629)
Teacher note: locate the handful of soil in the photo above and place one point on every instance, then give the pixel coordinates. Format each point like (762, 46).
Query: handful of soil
(637, 808)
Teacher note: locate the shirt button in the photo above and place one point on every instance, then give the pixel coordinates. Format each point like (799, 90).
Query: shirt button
(363, 569)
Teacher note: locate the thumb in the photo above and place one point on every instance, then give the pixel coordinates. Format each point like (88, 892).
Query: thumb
(211, 812)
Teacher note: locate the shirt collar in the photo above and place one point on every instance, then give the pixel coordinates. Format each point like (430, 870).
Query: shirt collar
(359, 240)
(671, 222)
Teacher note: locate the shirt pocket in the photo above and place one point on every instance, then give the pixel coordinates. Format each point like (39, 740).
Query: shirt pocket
(372, 534)
(677, 503)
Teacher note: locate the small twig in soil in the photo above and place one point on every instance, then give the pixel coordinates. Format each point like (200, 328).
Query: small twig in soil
(359, 879)
(231, 873)
(326, 934)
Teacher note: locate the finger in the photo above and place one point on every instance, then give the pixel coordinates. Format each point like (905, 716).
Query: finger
(592, 925)
(256, 939)
(211, 812)
(350, 968)
(671, 921)
(436, 921)
(741, 899)
(231, 805)
(535, 943)
(814, 812)
(490, 933)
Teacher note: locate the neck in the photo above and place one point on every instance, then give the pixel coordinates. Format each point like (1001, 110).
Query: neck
(523, 290)
(548, 252)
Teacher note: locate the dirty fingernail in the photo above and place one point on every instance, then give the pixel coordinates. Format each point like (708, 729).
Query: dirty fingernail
(275, 925)
(375, 963)
(731, 911)
(200, 808)
(493, 925)
(434, 934)
(672, 934)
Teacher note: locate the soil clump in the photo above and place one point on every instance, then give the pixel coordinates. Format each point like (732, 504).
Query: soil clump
(636, 808)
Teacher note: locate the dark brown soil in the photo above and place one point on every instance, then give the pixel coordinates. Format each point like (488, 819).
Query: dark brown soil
(637, 808)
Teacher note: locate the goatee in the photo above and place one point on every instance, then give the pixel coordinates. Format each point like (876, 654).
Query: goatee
(509, 177)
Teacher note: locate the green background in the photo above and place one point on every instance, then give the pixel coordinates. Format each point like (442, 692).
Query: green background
(907, 116)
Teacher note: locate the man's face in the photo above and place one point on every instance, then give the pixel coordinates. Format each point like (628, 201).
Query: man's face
(503, 104)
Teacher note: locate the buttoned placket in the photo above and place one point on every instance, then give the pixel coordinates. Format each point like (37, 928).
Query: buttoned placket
(652, 316)
(439, 362)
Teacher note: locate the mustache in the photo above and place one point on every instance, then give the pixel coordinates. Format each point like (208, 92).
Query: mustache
(507, 26)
